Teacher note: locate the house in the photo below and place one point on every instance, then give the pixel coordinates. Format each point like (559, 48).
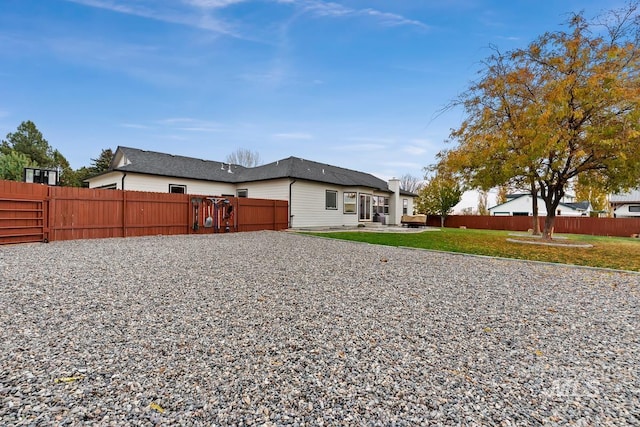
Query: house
(626, 205)
(522, 205)
(318, 194)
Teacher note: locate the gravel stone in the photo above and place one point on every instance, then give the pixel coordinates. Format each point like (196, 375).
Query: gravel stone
(277, 328)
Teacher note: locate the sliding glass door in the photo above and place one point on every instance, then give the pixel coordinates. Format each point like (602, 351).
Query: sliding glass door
(364, 207)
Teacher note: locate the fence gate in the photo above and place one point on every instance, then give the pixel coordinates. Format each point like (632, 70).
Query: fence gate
(22, 220)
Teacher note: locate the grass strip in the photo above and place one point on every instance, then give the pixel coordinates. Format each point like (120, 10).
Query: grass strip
(607, 252)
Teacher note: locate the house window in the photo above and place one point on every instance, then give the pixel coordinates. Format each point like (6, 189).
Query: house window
(634, 208)
(405, 206)
(41, 176)
(331, 200)
(380, 205)
(349, 205)
(177, 189)
(243, 193)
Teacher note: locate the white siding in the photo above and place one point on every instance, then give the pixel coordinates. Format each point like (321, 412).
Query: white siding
(107, 179)
(525, 204)
(308, 198)
(309, 210)
(277, 189)
(623, 211)
(160, 184)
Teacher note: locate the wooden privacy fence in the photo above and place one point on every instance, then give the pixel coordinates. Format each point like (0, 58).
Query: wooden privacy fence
(620, 227)
(40, 213)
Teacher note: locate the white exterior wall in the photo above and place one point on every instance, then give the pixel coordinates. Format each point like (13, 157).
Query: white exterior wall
(308, 206)
(395, 203)
(525, 204)
(308, 198)
(160, 184)
(622, 211)
(277, 189)
(107, 179)
(411, 209)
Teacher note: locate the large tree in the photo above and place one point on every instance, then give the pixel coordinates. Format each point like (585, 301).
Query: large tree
(244, 157)
(98, 165)
(564, 107)
(28, 140)
(12, 165)
(410, 183)
(102, 163)
(438, 196)
(586, 191)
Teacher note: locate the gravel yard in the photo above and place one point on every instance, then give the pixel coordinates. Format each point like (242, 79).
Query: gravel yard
(275, 328)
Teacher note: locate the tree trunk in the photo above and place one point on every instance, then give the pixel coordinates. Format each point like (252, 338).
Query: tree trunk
(441, 221)
(551, 196)
(536, 222)
(549, 222)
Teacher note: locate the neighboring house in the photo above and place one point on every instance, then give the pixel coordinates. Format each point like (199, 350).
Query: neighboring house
(318, 194)
(522, 205)
(626, 205)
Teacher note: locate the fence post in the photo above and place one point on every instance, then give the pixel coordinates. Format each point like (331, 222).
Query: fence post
(124, 213)
(47, 214)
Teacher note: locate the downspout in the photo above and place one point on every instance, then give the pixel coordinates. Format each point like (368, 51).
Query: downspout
(124, 174)
(290, 209)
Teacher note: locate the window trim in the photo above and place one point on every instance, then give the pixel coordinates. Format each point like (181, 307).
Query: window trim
(35, 175)
(346, 203)
(405, 206)
(245, 190)
(326, 200)
(181, 186)
(634, 208)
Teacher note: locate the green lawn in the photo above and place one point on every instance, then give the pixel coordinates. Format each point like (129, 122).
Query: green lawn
(610, 252)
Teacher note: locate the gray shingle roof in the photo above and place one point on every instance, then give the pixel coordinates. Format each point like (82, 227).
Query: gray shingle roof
(154, 163)
(631, 196)
(579, 206)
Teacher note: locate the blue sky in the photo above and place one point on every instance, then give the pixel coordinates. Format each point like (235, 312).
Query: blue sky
(352, 83)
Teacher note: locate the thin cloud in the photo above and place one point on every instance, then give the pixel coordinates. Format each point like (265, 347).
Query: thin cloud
(173, 16)
(409, 165)
(367, 139)
(135, 126)
(212, 4)
(361, 147)
(413, 150)
(292, 135)
(418, 147)
(330, 9)
(189, 124)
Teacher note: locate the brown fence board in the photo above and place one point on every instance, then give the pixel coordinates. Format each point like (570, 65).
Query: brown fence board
(261, 214)
(22, 212)
(619, 227)
(35, 212)
(82, 213)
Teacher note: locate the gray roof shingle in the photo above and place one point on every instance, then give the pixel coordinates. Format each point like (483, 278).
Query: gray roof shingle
(631, 196)
(154, 163)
